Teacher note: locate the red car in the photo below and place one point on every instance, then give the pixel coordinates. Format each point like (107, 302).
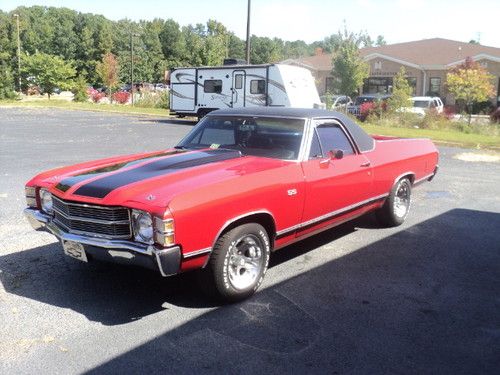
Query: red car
(243, 183)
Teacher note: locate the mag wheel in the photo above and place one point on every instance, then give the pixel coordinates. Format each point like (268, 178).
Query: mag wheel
(238, 263)
(396, 207)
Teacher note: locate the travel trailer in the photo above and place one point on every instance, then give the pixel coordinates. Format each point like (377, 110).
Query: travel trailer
(198, 91)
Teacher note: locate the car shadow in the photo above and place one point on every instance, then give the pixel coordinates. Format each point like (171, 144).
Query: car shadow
(422, 300)
(115, 294)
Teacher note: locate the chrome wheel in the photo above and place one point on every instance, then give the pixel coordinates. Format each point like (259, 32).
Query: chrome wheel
(402, 199)
(245, 261)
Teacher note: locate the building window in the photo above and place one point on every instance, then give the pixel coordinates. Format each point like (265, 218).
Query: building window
(257, 86)
(238, 81)
(212, 86)
(412, 81)
(377, 65)
(329, 84)
(435, 86)
(378, 85)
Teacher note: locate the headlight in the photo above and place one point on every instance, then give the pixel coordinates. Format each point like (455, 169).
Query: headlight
(46, 201)
(142, 224)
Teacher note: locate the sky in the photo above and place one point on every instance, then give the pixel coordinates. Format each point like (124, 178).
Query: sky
(311, 20)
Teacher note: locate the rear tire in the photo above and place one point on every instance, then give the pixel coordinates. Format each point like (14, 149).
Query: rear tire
(397, 205)
(237, 264)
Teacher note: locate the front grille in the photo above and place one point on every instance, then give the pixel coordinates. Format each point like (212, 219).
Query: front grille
(93, 220)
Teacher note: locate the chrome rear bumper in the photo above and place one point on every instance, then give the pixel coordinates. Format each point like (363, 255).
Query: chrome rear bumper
(123, 251)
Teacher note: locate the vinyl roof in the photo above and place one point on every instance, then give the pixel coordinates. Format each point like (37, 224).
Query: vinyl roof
(364, 141)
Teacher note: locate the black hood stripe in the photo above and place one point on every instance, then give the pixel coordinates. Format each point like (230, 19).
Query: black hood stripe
(101, 187)
(67, 183)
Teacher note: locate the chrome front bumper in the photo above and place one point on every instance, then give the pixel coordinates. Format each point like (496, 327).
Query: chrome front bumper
(167, 260)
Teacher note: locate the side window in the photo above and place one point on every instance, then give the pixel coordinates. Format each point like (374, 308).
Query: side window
(257, 86)
(212, 86)
(238, 81)
(332, 137)
(315, 147)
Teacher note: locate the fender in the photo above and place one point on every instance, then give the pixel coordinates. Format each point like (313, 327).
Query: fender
(232, 221)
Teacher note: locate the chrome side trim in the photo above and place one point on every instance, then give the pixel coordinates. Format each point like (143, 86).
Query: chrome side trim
(423, 178)
(401, 176)
(42, 221)
(196, 253)
(331, 214)
(230, 221)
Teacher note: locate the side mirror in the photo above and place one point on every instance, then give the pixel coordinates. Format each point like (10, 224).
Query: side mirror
(336, 154)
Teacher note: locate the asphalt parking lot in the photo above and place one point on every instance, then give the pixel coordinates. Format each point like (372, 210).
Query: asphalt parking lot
(359, 299)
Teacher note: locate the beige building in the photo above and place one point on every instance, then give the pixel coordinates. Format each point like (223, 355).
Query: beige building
(426, 63)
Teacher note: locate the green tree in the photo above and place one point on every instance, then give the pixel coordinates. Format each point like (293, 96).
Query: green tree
(107, 69)
(48, 72)
(401, 92)
(471, 83)
(349, 69)
(80, 90)
(6, 82)
(380, 41)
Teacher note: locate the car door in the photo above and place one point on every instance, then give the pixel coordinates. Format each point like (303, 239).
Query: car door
(334, 186)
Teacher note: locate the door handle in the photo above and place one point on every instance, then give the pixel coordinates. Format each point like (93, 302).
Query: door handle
(366, 164)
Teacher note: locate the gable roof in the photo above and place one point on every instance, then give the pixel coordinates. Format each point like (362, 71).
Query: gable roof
(436, 51)
(427, 52)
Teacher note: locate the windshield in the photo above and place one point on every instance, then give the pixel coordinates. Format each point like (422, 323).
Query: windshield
(259, 136)
(421, 103)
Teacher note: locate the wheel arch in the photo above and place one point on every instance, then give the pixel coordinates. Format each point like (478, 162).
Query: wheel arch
(409, 174)
(262, 217)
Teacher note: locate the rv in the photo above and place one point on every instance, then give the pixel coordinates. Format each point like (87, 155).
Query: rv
(198, 91)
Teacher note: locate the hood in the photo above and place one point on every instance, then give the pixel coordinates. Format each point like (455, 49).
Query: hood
(151, 179)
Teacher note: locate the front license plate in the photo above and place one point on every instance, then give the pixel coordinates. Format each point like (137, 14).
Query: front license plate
(74, 250)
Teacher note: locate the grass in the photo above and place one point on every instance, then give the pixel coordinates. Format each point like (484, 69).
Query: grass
(112, 108)
(445, 136)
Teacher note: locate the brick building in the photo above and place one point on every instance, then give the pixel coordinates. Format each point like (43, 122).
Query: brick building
(426, 62)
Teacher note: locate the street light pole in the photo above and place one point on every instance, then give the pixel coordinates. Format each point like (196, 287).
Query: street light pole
(132, 67)
(248, 33)
(18, 53)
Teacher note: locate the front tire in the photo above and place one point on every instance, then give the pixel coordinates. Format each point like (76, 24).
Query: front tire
(238, 263)
(397, 205)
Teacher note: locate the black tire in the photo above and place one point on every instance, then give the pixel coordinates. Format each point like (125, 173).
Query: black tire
(397, 205)
(226, 277)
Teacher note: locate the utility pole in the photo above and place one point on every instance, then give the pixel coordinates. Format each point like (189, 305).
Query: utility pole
(18, 54)
(132, 67)
(248, 33)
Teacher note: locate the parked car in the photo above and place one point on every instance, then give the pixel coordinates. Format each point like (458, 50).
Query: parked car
(422, 104)
(355, 109)
(243, 183)
(341, 101)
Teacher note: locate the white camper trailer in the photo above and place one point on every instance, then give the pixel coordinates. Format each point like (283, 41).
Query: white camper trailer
(197, 91)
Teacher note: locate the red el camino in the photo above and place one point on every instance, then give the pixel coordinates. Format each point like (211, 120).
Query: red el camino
(243, 183)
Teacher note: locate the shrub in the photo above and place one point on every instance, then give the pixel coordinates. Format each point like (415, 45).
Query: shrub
(121, 97)
(366, 109)
(80, 90)
(95, 95)
(153, 100)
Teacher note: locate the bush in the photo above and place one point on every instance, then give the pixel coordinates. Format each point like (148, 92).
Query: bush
(153, 100)
(6, 83)
(95, 95)
(80, 90)
(121, 97)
